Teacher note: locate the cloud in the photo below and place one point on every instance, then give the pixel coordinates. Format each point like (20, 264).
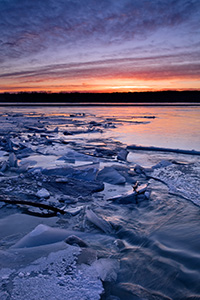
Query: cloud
(148, 68)
(47, 40)
(29, 27)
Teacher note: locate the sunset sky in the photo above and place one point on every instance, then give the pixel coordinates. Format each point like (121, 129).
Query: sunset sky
(99, 45)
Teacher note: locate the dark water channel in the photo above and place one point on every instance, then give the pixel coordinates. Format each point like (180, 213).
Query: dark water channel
(162, 249)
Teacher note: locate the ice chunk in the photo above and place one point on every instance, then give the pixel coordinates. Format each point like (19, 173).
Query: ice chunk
(127, 198)
(181, 179)
(43, 193)
(75, 240)
(142, 188)
(163, 163)
(2, 153)
(42, 235)
(12, 160)
(87, 256)
(87, 174)
(39, 230)
(99, 222)
(110, 175)
(122, 155)
(107, 268)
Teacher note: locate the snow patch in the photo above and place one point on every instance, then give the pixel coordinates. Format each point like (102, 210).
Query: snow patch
(181, 179)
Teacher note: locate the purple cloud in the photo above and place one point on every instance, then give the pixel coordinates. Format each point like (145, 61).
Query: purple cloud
(75, 37)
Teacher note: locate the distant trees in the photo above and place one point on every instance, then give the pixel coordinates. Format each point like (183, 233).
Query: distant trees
(76, 97)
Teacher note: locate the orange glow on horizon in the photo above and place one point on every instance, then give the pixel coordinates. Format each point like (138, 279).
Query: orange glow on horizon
(98, 85)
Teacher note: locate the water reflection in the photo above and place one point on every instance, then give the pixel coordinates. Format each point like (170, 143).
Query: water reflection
(175, 127)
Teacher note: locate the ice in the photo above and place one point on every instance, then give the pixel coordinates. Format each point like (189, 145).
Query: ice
(56, 277)
(47, 271)
(41, 265)
(3, 153)
(181, 179)
(42, 235)
(107, 268)
(99, 222)
(41, 228)
(110, 175)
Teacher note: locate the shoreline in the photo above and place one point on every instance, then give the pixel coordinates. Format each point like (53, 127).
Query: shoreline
(39, 104)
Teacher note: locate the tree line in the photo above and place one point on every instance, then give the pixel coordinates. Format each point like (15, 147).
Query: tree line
(91, 98)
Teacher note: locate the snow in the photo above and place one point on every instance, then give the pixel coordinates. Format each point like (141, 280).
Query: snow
(56, 277)
(48, 272)
(181, 179)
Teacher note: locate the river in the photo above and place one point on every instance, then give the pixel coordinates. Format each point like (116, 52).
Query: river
(159, 257)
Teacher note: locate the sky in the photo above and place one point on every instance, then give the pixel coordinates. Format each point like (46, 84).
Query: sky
(99, 45)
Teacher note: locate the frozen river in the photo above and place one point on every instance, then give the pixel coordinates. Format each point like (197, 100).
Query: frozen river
(142, 242)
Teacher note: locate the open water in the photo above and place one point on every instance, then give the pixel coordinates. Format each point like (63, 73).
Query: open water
(173, 126)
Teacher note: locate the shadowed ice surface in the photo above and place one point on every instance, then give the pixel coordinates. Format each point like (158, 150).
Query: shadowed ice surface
(146, 248)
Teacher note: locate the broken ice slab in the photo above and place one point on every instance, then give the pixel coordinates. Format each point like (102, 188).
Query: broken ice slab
(163, 163)
(43, 193)
(87, 256)
(4, 166)
(110, 175)
(43, 161)
(75, 155)
(65, 153)
(104, 152)
(67, 199)
(181, 179)
(122, 155)
(36, 129)
(107, 268)
(74, 210)
(73, 187)
(12, 160)
(3, 153)
(141, 188)
(128, 173)
(151, 148)
(127, 198)
(132, 197)
(75, 240)
(42, 235)
(98, 221)
(86, 174)
(111, 191)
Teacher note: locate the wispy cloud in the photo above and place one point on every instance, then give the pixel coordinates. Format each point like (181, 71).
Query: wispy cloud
(154, 67)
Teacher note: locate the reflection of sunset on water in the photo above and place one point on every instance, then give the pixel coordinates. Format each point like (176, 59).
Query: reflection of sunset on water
(172, 127)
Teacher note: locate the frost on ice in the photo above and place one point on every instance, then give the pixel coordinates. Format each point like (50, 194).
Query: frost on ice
(181, 179)
(50, 271)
